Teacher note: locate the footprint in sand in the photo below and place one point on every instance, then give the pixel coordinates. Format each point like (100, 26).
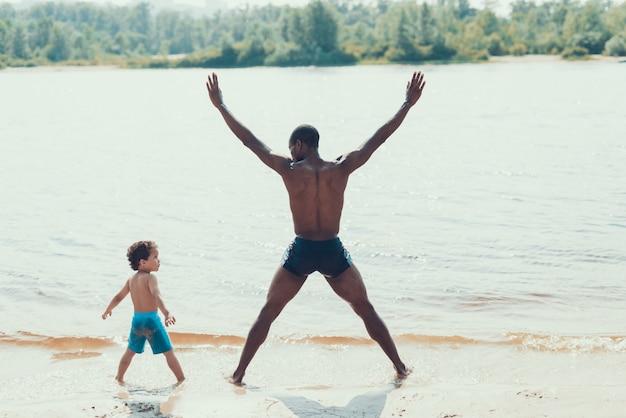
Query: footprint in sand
(530, 394)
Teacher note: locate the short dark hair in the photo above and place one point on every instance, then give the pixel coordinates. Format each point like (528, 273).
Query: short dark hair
(139, 251)
(307, 134)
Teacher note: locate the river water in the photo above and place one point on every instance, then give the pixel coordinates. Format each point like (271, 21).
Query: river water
(496, 214)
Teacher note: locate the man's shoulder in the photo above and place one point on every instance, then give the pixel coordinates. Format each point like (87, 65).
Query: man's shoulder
(335, 166)
(326, 166)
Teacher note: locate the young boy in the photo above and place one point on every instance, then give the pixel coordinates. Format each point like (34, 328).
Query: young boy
(144, 292)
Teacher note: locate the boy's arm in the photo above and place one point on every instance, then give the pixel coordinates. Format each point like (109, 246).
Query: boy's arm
(358, 157)
(271, 159)
(153, 285)
(116, 300)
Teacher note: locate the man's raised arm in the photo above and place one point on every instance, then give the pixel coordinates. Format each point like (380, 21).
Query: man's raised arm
(357, 158)
(244, 134)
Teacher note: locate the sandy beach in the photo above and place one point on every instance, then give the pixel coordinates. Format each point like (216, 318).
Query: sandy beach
(289, 380)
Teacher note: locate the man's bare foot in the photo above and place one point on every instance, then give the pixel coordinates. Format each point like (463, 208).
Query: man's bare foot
(235, 381)
(403, 372)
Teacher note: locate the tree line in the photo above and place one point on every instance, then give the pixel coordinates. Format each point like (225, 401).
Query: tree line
(335, 32)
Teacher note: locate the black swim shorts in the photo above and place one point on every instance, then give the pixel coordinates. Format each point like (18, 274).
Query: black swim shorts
(328, 257)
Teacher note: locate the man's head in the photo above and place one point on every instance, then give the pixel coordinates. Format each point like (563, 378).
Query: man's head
(140, 250)
(307, 135)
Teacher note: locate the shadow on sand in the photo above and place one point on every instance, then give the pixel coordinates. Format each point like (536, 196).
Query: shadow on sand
(144, 402)
(367, 405)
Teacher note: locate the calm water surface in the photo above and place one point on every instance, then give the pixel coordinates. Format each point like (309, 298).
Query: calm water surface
(497, 212)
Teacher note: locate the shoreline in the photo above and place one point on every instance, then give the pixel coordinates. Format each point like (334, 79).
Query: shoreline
(513, 59)
(505, 59)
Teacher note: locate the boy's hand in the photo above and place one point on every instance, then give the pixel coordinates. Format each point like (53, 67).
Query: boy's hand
(170, 320)
(106, 313)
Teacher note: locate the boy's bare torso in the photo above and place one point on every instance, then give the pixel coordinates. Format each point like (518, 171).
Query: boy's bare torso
(141, 293)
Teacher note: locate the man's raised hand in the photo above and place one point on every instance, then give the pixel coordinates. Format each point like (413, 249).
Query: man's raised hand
(414, 88)
(215, 94)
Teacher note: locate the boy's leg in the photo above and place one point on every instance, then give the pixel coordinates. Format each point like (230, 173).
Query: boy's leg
(174, 365)
(124, 363)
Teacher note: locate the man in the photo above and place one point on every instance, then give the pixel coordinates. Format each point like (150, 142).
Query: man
(316, 194)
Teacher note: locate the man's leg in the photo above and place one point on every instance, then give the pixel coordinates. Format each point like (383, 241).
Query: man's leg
(350, 287)
(283, 288)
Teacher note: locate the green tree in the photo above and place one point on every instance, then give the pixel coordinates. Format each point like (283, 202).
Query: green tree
(5, 36)
(615, 20)
(42, 34)
(594, 35)
(323, 32)
(488, 22)
(293, 31)
(252, 53)
(403, 48)
(7, 12)
(495, 45)
(474, 37)
(572, 25)
(426, 31)
(182, 41)
(120, 44)
(320, 27)
(19, 43)
(139, 19)
(166, 25)
(463, 10)
(616, 46)
(59, 48)
(548, 43)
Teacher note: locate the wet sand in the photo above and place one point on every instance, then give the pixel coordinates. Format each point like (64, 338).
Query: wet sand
(287, 380)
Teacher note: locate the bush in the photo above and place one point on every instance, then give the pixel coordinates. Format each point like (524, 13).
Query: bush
(495, 46)
(616, 46)
(593, 42)
(441, 51)
(286, 55)
(575, 53)
(395, 54)
(549, 43)
(518, 49)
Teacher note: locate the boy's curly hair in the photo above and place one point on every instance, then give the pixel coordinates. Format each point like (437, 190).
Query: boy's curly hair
(139, 251)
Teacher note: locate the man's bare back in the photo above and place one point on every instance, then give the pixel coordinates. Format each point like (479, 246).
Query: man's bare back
(316, 194)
